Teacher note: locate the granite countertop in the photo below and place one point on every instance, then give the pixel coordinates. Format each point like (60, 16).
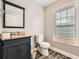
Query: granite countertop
(9, 38)
(16, 37)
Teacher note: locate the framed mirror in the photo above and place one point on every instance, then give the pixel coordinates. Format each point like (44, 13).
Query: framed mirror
(14, 15)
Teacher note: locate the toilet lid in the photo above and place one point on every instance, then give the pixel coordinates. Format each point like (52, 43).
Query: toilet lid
(44, 44)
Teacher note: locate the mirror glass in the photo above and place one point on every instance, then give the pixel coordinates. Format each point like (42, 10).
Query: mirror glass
(14, 16)
(1, 14)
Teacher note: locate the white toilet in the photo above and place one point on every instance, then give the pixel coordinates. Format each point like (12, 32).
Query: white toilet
(43, 46)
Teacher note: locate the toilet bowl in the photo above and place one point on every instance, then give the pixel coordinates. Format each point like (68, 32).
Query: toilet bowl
(43, 46)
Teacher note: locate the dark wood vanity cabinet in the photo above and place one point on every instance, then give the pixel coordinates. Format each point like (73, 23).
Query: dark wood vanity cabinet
(0, 51)
(19, 48)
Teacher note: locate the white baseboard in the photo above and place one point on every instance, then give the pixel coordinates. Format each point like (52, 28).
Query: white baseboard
(65, 53)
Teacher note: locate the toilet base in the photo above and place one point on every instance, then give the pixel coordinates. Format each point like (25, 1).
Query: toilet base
(44, 51)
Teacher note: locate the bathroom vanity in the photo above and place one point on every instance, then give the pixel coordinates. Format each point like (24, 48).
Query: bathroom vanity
(16, 48)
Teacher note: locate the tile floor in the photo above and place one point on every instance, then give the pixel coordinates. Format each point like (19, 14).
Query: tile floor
(52, 55)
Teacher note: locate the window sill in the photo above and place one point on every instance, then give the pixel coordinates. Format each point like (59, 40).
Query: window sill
(66, 41)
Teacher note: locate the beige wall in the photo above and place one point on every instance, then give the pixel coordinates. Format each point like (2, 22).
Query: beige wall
(49, 27)
(34, 17)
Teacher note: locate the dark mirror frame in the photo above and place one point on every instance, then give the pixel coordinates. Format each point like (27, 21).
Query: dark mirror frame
(14, 5)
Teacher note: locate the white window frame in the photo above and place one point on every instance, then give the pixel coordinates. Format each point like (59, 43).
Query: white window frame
(73, 3)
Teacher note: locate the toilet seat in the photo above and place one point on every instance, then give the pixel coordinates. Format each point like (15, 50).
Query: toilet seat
(44, 44)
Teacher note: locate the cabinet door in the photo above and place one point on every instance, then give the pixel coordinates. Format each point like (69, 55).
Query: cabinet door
(25, 51)
(11, 52)
(0, 52)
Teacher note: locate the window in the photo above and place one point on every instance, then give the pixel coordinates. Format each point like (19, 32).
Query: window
(65, 23)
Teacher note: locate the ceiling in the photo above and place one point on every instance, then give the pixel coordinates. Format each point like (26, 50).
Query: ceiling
(44, 3)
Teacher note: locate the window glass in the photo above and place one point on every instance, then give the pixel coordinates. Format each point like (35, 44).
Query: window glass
(58, 15)
(71, 20)
(57, 21)
(65, 22)
(71, 12)
(63, 13)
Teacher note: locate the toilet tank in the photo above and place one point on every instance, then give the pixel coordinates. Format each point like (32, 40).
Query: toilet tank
(40, 38)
